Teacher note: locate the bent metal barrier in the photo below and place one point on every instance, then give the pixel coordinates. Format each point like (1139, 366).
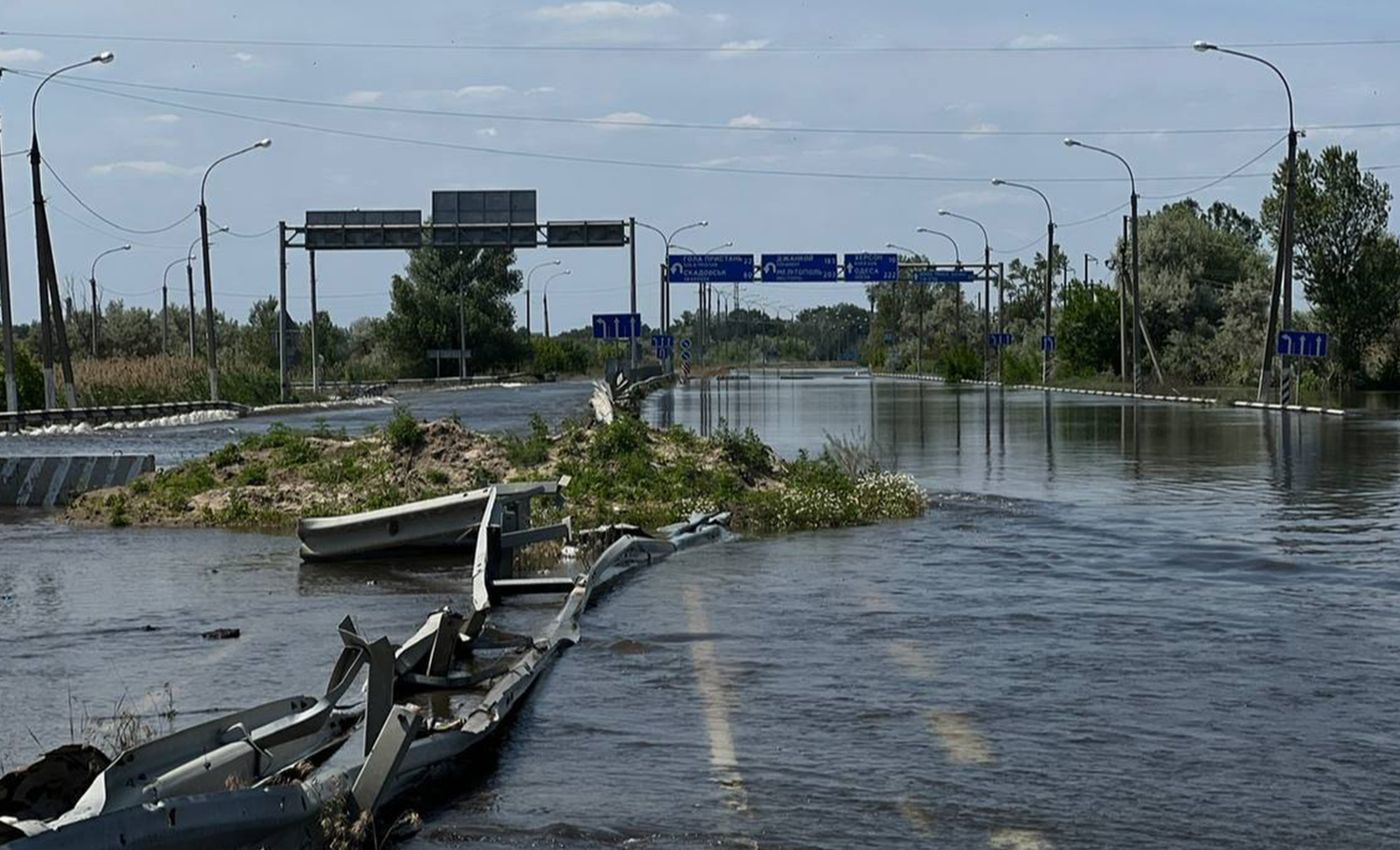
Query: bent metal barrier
(43, 482)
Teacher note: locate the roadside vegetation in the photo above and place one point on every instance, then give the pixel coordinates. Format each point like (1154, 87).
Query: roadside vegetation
(620, 472)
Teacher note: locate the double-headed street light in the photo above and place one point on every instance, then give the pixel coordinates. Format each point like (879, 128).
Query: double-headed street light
(1049, 271)
(665, 305)
(529, 331)
(92, 282)
(564, 273)
(208, 284)
(51, 326)
(1283, 266)
(1137, 292)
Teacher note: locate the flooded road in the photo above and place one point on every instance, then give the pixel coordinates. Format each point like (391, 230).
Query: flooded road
(1118, 627)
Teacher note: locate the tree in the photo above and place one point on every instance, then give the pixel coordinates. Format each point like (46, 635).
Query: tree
(435, 286)
(1349, 263)
(1087, 330)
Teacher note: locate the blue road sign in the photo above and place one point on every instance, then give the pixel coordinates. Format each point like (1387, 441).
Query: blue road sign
(889, 338)
(1047, 344)
(942, 276)
(685, 355)
(798, 268)
(1302, 344)
(710, 268)
(999, 340)
(663, 341)
(872, 268)
(685, 343)
(617, 325)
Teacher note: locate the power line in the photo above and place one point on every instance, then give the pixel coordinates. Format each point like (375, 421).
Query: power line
(105, 220)
(728, 48)
(595, 160)
(237, 235)
(712, 127)
(95, 229)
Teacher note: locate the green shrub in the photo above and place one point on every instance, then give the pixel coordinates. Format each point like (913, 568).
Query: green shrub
(750, 456)
(1020, 366)
(403, 431)
(531, 450)
(29, 379)
(959, 363)
(226, 456)
(253, 475)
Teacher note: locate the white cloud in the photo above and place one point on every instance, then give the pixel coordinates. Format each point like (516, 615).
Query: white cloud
(541, 90)
(739, 48)
(163, 118)
(244, 57)
(748, 119)
(592, 11)
(982, 128)
(1048, 39)
(488, 132)
(362, 97)
(617, 120)
(21, 55)
(482, 91)
(155, 167)
(718, 17)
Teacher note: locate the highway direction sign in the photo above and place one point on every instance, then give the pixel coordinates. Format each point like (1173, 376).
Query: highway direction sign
(1302, 344)
(798, 268)
(617, 325)
(1047, 344)
(710, 268)
(942, 276)
(872, 268)
(999, 340)
(663, 341)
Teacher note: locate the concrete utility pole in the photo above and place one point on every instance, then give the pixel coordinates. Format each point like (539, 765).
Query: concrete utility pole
(284, 389)
(7, 331)
(315, 369)
(212, 353)
(547, 282)
(529, 326)
(632, 246)
(1137, 295)
(1049, 270)
(1283, 266)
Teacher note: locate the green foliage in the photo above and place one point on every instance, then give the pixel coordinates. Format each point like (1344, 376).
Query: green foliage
(750, 456)
(959, 362)
(1087, 332)
(531, 450)
(1020, 365)
(253, 475)
(226, 456)
(403, 431)
(29, 379)
(561, 356)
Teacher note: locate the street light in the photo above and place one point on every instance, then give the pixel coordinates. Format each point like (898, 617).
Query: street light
(986, 288)
(1283, 266)
(1137, 293)
(665, 267)
(208, 284)
(547, 281)
(189, 276)
(92, 281)
(50, 311)
(957, 257)
(528, 275)
(1049, 269)
(165, 301)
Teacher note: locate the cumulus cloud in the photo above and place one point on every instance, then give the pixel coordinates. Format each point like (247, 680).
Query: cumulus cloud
(541, 90)
(592, 11)
(163, 118)
(148, 167)
(739, 48)
(619, 120)
(20, 55)
(750, 121)
(488, 132)
(982, 128)
(482, 91)
(1048, 39)
(362, 97)
(718, 17)
(244, 57)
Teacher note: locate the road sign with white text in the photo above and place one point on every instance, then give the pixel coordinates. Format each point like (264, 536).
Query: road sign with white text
(999, 340)
(798, 268)
(1302, 344)
(942, 276)
(1047, 344)
(617, 325)
(710, 268)
(871, 268)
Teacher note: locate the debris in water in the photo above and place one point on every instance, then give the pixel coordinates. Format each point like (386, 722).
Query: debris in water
(222, 634)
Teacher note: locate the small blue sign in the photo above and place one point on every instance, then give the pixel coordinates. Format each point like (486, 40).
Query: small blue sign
(617, 325)
(999, 340)
(685, 355)
(942, 276)
(1047, 344)
(710, 268)
(889, 338)
(872, 268)
(798, 268)
(685, 344)
(1302, 344)
(663, 341)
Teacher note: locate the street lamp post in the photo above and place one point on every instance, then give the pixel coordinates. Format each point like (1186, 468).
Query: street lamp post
(92, 282)
(208, 283)
(1283, 266)
(986, 290)
(547, 281)
(7, 328)
(1137, 291)
(1049, 270)
(957, 258)
(165, 302)
(189, 276)
(529, 331)
(665, 305)
(51, 327)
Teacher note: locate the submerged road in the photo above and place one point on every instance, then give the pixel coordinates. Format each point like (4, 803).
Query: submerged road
(1118, 627)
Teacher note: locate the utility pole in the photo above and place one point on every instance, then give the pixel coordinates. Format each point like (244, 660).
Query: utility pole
(6, 316)
(315, 369)
(632, 244)
(1138, 330)
(189, 277)
(1123, 305)
(462, 333)
(281, 310)
(92, 282)
(165, 320)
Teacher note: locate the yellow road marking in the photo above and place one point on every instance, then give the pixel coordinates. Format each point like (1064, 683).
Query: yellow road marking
(959, 737)
(723, 757)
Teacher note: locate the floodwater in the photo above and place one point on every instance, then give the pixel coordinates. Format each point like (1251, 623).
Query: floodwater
(1120, 626)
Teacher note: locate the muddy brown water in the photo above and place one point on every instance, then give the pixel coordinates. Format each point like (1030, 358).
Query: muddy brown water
(1120, 626)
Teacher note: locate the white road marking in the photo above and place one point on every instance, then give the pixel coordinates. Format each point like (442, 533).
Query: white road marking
(723, 757)
(959, 737)
(917, 815)
(913, 658)
(1019, 839)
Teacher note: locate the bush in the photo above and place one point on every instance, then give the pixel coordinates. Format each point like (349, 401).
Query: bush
(531, 450)
(403, 431)
(959, 363)
(1020, 366)
(750, 456)
(561, 356)
(29, 379)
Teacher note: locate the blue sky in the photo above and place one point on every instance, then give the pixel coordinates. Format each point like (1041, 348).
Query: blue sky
(138, 162)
